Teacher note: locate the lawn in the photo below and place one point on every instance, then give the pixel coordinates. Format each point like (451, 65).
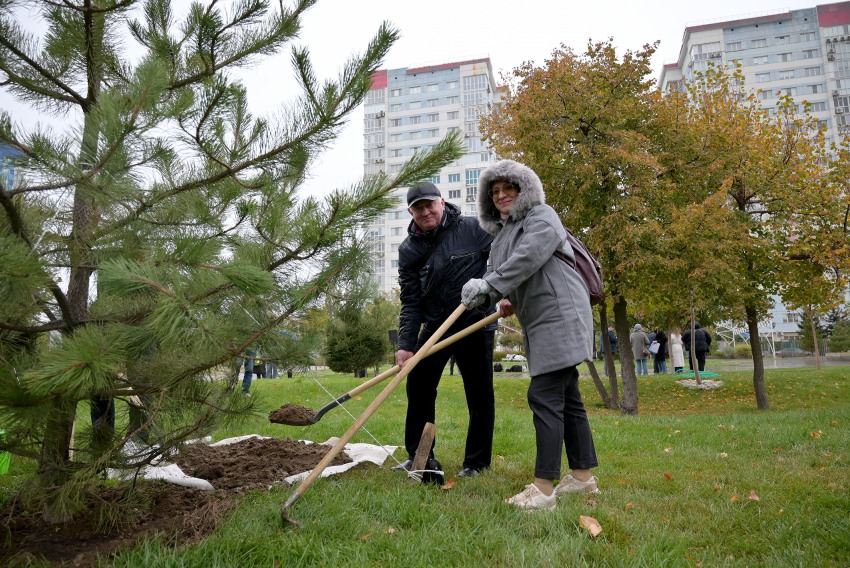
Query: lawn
(669, 496)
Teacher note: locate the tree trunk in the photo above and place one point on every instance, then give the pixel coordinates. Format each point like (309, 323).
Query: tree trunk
(629, 406)
(608, 354)
(758, 359)
(54, 465)
(814, 334)
(606, 398)
(694, 362)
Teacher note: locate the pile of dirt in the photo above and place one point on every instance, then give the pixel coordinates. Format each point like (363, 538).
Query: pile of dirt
(253, 463)
(183, 515)
(292, 415)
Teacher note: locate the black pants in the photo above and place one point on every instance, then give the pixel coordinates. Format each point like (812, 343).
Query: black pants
(474, 356)
(560, 421)
(700, 360)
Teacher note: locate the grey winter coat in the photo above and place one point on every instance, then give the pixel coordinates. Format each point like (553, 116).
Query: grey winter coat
(550, 298)
(639, 341)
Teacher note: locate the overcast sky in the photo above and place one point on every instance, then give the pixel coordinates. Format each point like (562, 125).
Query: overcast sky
(510, 32)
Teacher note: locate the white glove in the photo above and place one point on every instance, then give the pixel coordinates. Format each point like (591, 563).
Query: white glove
(475, 292)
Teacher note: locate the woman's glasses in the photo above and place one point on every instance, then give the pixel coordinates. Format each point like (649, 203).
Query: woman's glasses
(507, 187)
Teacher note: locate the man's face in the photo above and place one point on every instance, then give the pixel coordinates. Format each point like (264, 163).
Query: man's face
(428, 214)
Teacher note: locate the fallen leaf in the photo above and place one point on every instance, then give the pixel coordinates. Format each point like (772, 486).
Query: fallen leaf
(734, 498)
(590, 524)
(665, 520)
(668, 448)
(622, 483)
(668, 476)
(724, 455)
(754, 497)
(364, 537)
(782, 459)
(721, 426)
(780, 511)
(389, 531)
(677, 431)
(815, 435)
(450, 484)
(358, 398)
(591, 502)
(717, 487)
(629, 505)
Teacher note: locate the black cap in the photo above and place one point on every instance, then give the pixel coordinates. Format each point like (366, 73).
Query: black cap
(427, 191)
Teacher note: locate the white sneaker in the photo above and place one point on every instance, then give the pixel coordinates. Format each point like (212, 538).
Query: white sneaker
(572, 485)
(532, 499)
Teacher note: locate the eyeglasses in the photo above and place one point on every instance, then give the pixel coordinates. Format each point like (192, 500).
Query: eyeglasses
(507, 187)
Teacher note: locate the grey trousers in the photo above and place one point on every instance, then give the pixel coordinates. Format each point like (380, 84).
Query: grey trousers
(560, 421)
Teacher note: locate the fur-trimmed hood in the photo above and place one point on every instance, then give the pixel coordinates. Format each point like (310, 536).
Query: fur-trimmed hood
(530, 193)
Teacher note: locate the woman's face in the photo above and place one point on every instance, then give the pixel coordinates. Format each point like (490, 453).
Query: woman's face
(504, 195)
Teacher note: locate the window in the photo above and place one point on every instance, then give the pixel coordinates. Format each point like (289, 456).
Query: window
(432, 88)
(781, 40)
(400, 214)
(786, 75)
(394, 248)
(758, 43)
(373, 125)
(395, 137)
(475, 145)
(783, 58)
(414, 90)
(433, 102)
(812, 71)
(833, 31)
(454, 194)
(822, 124)
(375, 96)
(475, 83)
(705, 50)
(734, 46)
(415, 135)
(379, 265)
(764, 95)
(395, 231)
(470, 114)
(373, 140)
(471, 192)
(791, 317)
(762, 77)
(395, 168)
(817, 89)
(395, 93)
(454, 178)
(472, 177)
(451, 129)
(395, 108)
(474, 98)
(818, 107)
(433, 133)
(393, 264)
(808, 36)
(471, 209)
(789, 92)
(810, 53)
(395, 152)
(415, 119)
(414, 149)
(370, 110)
(395, 122)
(452, 85)
(376, 154)
(484, 157)
(452, 115)
(414, 104)
(760, 60)
(453, 100)
(435, 179)
(434, 117)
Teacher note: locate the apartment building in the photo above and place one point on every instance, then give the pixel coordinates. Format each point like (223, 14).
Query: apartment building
(409, 110)
(804, 53)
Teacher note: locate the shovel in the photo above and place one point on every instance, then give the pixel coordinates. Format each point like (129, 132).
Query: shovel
(291, 419)
(329, 457)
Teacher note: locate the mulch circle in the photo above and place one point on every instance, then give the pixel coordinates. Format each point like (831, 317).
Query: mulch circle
(183, 515)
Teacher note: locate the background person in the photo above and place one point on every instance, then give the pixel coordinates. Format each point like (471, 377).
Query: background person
(553, 305)
(677, 355)
(640, 342)
(661, 356)
(702, 342)
(613, 339)
(430, 281)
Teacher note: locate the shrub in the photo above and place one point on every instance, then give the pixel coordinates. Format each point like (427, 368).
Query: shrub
(719, 353)
(743, 350)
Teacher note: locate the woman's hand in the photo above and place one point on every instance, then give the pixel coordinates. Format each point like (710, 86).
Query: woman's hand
(506, 309)
(474, 292)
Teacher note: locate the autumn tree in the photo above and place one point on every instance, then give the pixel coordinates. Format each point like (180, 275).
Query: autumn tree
(156, 222)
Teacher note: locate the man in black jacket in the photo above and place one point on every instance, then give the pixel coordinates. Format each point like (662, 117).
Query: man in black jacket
(430, 292)
(702, 341)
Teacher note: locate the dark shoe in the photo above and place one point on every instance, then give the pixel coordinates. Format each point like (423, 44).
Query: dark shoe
(403, 466)
(470, 472)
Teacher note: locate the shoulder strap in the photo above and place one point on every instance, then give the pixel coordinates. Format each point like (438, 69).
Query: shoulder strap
(436, 242)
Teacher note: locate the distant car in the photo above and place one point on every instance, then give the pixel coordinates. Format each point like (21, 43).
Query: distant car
(514, 357)
(793, 352)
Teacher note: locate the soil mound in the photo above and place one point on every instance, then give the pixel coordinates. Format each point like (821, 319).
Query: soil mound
(292, 415)
(183, 515)
(252, 463)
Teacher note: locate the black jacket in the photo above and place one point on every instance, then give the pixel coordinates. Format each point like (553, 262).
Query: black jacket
(431, 292)
(701, 338)
(661, 338)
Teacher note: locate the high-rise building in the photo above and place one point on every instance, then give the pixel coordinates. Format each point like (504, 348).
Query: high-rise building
(7, 170)
(409, 110)
(803, 53)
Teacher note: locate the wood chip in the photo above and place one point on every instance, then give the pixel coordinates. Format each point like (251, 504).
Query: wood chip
(590, 524)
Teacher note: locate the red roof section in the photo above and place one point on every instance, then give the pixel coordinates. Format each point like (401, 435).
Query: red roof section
(834, 14)
(446, 65)
(379, 79)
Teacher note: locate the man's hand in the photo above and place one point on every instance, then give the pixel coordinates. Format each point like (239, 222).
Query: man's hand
(474, 291)
(506, 309)
(402, 356)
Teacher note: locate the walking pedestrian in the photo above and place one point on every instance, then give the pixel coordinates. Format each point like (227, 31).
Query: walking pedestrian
(640, 345)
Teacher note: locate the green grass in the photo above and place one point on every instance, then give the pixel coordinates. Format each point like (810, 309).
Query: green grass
(802, 480)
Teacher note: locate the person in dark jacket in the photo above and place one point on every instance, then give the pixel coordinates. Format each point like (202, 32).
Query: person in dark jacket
(651, 337)
(552, 303)
(430, 292)
(702, 340)
(613, 339)
(661, 354)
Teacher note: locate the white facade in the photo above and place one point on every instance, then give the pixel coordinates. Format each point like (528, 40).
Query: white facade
(408, 111)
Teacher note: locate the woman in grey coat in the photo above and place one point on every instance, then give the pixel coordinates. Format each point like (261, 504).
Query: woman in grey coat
(639, 342)
(553, 305)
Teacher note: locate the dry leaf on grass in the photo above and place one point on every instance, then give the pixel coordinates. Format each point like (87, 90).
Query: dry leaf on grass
(815, 435)
(389, 531)
(629, 505)
(734, 498)
(364, 537)
(450, 484)
(668, 476)
(358, 398)
(724, 455)
(754, 497)
(717, 487)
(590, 524)
(668, 448)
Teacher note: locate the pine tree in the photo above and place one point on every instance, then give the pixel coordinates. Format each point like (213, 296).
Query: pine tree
(167, 200)
(804, 326)
(839, 342)
(354, 337)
